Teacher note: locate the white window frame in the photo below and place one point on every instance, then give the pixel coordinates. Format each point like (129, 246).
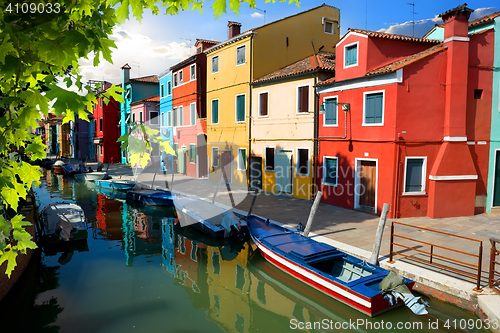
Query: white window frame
(260, 113)
(162, 90)
(357, 55)
(128, 93)
(213, 157)
(191, 72)
(169, 88)
(244, 46)
(424, 174)
(162, 119)
(236, 109)
(239, 155)
(192, 121)
(323, 178)
(336, 110)
(195, 158)
(181, 115)
(265, 159)
(297, 161)
(297, 99)
(150, 118)
(329, 20)
(212, 64)
(383, 107)
(169, 118)
(175, 79)
(211, 111)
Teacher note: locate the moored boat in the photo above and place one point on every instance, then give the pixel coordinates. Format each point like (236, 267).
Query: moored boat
(339, 275)
(90, 176)
(152, 197)
(57, 167)
(116, 184)
(62, 222)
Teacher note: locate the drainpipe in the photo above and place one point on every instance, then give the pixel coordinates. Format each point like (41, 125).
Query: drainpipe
(315, 141)
(250, 114)
(398, 168)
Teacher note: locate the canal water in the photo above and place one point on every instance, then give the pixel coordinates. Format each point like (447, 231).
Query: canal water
(140, 272)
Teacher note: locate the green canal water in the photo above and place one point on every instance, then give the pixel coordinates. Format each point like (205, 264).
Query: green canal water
(139, 272)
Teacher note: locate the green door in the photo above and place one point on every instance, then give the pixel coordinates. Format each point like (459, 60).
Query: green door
(496, 187)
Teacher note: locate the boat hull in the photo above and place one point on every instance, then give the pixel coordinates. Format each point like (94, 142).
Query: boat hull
(119, 185)
(58, 170)
(90, 176)
(370, 303)
(152, 197)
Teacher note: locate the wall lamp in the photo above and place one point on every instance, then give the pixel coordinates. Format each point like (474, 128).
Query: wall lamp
(345, 106)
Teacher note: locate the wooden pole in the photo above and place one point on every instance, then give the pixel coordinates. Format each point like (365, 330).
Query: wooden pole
(378, 237)
(253, 201)
(314, 207)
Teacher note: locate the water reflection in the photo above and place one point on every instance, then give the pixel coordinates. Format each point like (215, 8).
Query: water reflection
(139, 271)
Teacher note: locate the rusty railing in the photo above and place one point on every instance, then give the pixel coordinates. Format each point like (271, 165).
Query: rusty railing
(431, 254)
(494, 252)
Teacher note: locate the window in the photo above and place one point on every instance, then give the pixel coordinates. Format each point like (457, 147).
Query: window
(240, 55)
(193, 114)
(176, 147)
(100, 124)
(180, 76)
(263, 104)
(175, 80)
(215, 156)
(415, 175)
(133, 117)
(162, 90)
(330, 170)
(242, 159)
(303, 99)
(270, 151)
(175, 117)
(240, 108)
(374, 108)
(215, 111)
(302, 161)
(192, 71)
(351, 55)
(162, 119)
(100, 102)
(478, 93)
(153, 117)
(181, 115)
(169, 88)
(198, 50)
(192, 153)
(331, 107)
(140, 117)
(328, 27)
(215, 64)
(169, 118)
(128, 95)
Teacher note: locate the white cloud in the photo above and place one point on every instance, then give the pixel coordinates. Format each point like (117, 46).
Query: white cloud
(256, 15)
(174, 51)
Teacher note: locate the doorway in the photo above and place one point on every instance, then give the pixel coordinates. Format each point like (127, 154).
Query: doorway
(496, 180)
(365, 189)
(256, 173)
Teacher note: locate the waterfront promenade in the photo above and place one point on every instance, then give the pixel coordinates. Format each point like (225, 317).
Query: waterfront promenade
(354, 232)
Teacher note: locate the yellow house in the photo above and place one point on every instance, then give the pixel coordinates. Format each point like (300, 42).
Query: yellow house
(284, 109)
(232, 66)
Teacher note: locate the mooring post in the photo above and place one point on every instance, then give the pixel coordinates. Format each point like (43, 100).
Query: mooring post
(314, 207)
(378, 237)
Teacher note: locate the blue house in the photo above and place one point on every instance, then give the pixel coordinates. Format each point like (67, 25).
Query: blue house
(136, 89)
(166, 99)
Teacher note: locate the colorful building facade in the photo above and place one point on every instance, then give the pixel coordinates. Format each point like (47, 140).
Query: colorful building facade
(165, 79)
(235, 63)
(412, 128)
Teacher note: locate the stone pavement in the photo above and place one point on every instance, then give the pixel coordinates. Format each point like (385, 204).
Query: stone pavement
(354, 232)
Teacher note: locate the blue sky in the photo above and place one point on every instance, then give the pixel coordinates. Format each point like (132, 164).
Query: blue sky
(161, 41)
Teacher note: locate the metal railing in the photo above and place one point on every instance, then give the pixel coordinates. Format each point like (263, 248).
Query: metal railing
(494, 252)
(431, 253)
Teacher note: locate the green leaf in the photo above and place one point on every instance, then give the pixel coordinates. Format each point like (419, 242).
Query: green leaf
(122, 12)
(11, 197)
(219, 8)
(165, 146)
(6, 48)
(24, 241)
(10, 257)
(18, 222)
(37, 99)
(4, 226)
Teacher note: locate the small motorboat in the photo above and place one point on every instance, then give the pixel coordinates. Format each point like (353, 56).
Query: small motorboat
(58, 167)
(71, 169)
(90, 176)
(116, 184)
(367, 288)
(152, 197)
(62, 222)
(209, 218)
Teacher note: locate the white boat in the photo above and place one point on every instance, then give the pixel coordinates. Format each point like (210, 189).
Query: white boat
(62, 222)
(116, 184)
(90, 176)
(208, 217)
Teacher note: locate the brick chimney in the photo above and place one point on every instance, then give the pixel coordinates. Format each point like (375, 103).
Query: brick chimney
(234, 29)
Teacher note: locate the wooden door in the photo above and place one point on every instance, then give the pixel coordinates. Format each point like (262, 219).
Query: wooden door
(256, 173)
(368, 180)
(283, 171)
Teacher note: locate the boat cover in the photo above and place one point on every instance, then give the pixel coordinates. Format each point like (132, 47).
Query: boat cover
(66, 212)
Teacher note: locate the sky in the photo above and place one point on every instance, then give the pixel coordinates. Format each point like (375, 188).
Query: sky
(161, 41)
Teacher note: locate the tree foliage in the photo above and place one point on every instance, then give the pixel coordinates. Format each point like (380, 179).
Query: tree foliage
(39, 73)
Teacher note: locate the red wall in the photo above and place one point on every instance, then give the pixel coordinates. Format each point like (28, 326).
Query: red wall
(110, 131)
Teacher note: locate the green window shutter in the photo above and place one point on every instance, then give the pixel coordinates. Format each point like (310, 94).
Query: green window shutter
(330, 112)
(240, 108)
(373, 108)
(215, 111)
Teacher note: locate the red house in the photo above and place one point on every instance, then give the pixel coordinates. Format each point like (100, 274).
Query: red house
(189, 112)
(406, 122)
(107, 129)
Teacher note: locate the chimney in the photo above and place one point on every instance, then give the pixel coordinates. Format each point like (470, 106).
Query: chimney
(234, 29)
(456, 39)
(125, 74)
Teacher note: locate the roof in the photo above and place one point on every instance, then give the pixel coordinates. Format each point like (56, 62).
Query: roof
(148, 79)
(231, 23)
(153, 99)
(322, 61)
(384, 35)
(184, 62)
(126, 66)
(207, 41)
(484, 19)
(398, 64)
(461, 8)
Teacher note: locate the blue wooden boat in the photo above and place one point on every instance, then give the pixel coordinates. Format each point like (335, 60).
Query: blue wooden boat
(333, 272)
(152, 197)
(116, 184)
